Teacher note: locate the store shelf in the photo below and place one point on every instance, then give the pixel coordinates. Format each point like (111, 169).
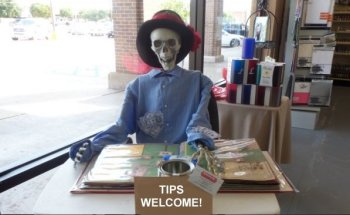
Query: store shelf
(339, 12)
(341, 58)
(342, 53)
(305, 116)
(341, 8)
(341, 21)
(315, 28)
(342, 43)
(340, 79)
(318, 44)
(342, 32)
(306, 108)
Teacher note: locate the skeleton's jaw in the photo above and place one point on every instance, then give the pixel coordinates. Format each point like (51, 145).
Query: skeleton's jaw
(167, 63)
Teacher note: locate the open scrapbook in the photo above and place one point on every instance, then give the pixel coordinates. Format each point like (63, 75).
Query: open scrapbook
(244, 167)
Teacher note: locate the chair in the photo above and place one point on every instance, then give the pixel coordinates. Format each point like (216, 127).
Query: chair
(213, 113)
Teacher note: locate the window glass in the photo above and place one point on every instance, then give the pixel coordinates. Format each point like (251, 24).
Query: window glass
(53, 75)
(65, 64)
(225, 30)
(56, 70)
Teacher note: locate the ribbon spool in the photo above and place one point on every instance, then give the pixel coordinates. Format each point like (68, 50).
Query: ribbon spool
(248, 48)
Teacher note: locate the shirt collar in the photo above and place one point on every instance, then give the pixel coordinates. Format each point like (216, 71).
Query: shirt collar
(176, 72)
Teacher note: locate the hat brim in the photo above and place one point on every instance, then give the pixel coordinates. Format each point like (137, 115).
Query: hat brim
(144, 43)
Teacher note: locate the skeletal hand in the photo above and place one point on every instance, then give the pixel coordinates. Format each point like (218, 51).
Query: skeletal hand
(203, 154)
(80, 152)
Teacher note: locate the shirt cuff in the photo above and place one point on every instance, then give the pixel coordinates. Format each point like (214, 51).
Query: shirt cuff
(195, 137)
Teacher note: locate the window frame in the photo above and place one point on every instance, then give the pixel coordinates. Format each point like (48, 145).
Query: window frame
(23, 170)
(18, 172)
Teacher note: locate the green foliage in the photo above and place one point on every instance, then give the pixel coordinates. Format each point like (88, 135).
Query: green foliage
(9, 9)
(228, 18)
(40, 10)
(94, 15)
(66, 12)
(179, 7)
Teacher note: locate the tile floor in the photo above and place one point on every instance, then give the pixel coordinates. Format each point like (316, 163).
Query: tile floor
(320, 167)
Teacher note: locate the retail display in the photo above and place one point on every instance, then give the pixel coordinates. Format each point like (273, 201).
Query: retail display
(252, 82)
(301, 93)
(341, 28)
(320, 92)
(314, 47)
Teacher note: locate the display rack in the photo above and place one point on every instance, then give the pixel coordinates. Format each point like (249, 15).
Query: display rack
(312, 24)
(264, 29)
(341, 28)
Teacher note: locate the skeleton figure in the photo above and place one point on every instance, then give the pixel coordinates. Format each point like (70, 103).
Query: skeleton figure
(166, 45)
(170, 45)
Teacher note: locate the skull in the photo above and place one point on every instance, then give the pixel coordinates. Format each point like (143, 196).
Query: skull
(166, 45)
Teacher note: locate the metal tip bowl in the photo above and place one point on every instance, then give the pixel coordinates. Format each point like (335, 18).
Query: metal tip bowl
(176, 167)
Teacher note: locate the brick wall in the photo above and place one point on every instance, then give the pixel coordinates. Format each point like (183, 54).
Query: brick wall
(213, 19)
(127, 18)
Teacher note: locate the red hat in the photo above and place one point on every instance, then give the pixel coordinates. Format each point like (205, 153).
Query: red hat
(169, 19)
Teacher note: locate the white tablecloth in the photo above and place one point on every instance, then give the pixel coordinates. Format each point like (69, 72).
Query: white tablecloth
(270, 126)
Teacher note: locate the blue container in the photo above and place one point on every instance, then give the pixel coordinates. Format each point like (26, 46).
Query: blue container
(237, 71)
(248, 48)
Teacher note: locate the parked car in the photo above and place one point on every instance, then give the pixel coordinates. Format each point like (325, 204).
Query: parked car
(79, 28)
(110, 34)
(235, 29)
(100, 28)
(231, 40)
(31, 28)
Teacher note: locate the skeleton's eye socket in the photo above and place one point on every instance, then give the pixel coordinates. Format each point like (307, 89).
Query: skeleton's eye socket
(171, 42)
(157, 43)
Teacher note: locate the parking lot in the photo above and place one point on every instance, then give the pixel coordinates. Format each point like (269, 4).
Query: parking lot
(47, 86)
(70, 55)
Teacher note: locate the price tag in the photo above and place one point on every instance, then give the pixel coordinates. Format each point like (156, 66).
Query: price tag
(205, 180)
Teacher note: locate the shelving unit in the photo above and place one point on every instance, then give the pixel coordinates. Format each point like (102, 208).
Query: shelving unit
(305, 112)
(341, 28)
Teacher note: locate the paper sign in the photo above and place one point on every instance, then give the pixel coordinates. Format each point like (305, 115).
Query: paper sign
(205, 180)
(266, 74)
(170, 195)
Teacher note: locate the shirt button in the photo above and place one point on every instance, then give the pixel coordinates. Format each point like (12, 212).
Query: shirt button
(167, 124)
(165, 106)
(163, 86)
(165, 141)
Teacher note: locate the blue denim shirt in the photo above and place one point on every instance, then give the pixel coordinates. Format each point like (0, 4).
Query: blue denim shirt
(163, 107)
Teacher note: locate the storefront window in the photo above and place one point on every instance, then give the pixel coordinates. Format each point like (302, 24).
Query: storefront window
(224, 30)
(53, 74)
(65, 64)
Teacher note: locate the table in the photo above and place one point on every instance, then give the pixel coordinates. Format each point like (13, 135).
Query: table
(270, 126)
(56, 199)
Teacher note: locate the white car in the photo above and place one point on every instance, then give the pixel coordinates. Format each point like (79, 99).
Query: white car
(31, 28)
(232, 40)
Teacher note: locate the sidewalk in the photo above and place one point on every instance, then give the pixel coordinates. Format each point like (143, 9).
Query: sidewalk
(42, 122)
